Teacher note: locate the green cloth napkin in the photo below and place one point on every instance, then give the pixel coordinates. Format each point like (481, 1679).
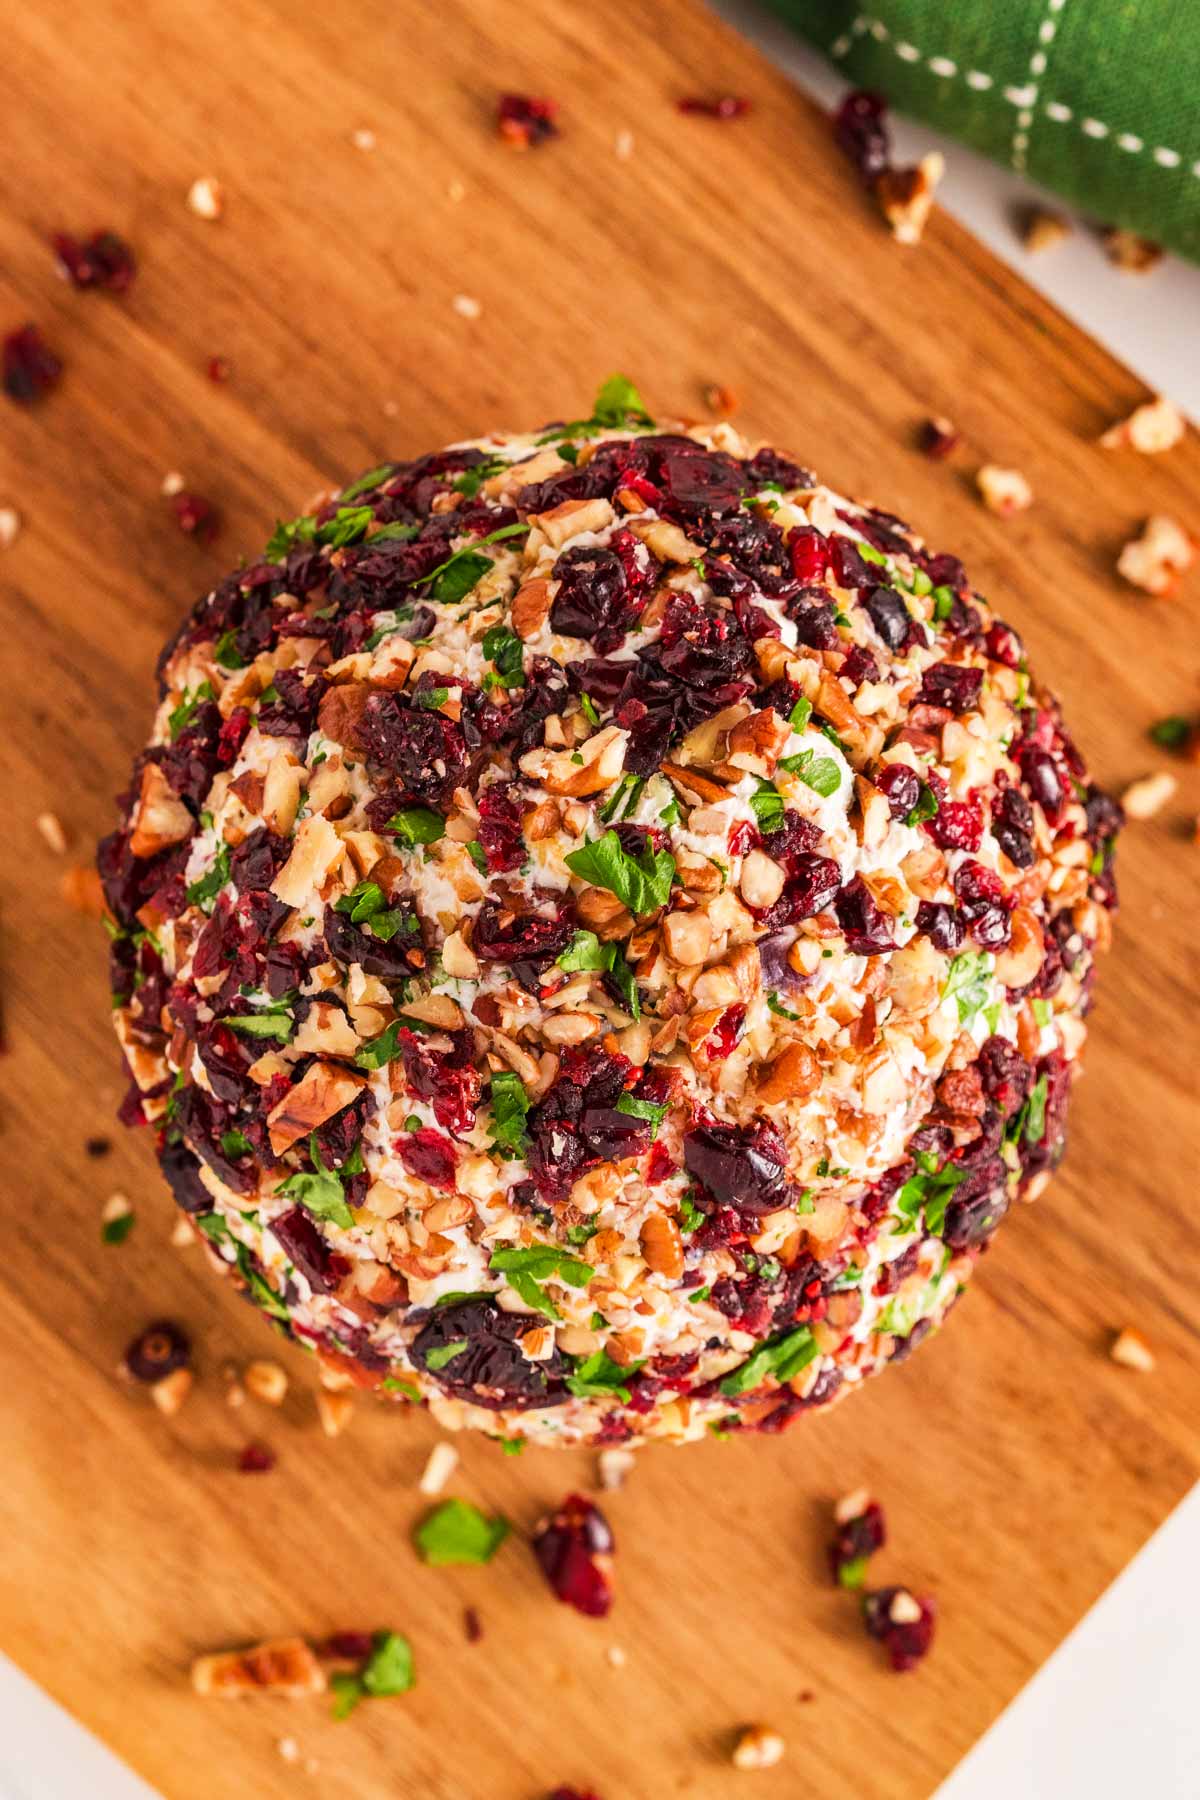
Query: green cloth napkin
(1097, 99)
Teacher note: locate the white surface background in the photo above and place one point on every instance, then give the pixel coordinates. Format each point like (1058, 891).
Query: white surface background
(1115, 1713)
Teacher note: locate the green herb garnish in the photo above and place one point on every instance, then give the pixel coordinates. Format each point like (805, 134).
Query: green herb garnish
(457, 1532)
(641, 882)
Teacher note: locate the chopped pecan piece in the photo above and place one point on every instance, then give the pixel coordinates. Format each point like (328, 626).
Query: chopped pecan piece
(284, 1666)
(324, 1090)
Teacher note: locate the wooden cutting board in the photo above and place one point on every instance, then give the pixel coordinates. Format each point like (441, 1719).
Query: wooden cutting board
(1019, 1467)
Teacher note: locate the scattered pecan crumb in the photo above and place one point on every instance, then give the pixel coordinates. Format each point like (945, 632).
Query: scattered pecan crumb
(718, 106)
(615, 1657)
(1130, 1349)
(1144, 798)
(284, 1666)
(623, 145)
(217, 368)
(196, 516)
(10, 527)
(172, 484)
(616, 1466)
(1043, 229)
(82, 891)
(105, 260)
(1003, 491)
(51, 830)
(1136, 255)
(903, 1623)
(256, 1459)
(288, 1749)
(472, 1624)
(364, 138)
(170, 1393)
(720, 401)
(938, 438)
(1150, 429)
(1157, 559)
(524, 121)
(266, 1381)
(183, 1233)
(466, 306)
(757, 1747)
(116, 1219)
(905, 196)
(29, 368)
(334, 1412)
(206, 197)
(456, 191)
(440, 1466)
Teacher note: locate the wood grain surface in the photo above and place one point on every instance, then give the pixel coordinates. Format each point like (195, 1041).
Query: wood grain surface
(1019, 1467)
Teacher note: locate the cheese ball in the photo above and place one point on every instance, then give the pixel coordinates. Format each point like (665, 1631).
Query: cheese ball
(602, 931)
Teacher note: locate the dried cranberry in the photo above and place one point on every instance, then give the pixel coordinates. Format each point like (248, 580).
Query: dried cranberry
(28, 367)
(500, 828)
(196, 517)
(524, 121)
(767, 465)
(985, 904)
(740, 1166)
(300, 1240)
(105, 260)
(159, 1350)
(257, 860)
(574, 1548)
(849, 567)
(859, 666)
(695, 486)
(576, 1125)
(890, 617)
(724, 106)
(1040, 774)
(422, 749)
(294, 712)
(725, 1033)
(856, 1539)
(953, 685)
(957, 825)
(868, 930)
(941, 925)
(593, 599)
(1003, 645)
(449, 1079)
(902, 1622)
(1012, 827)
(902, 786)
(491, 1371)
(500, 936)
(428, 1155)
(809, 551)
(573, 1793)
(1104, 816)
(1006, 1076)
(861, 134)
(256, 1459)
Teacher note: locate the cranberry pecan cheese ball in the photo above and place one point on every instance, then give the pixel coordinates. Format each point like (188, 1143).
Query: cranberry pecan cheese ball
(602, 931)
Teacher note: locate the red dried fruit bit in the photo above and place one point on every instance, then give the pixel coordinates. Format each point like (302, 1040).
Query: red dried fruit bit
(29, 367)
(256, 1459)
(105, 260)
(860, 1532)
(348, 1646)
(938, 438)
(571, 1793)
(218, 368)
(472, 1625)
(902, 1622)
(861, 134)
(574, 1548)
(98, 1146)
(524, 121)
(722, 106)
(196, 516)
(159, 1350)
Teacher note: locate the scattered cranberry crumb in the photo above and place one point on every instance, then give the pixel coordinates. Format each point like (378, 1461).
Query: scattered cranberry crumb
(256, 1459)
(472, 1625)
(524, 121)
(196, 516)
(347, 1646)
(30, 367)
(157, 1351)
(571, 1793)
(722, 106)
(861, 1530)
(902, 1622)
(97, 1146)
(218, 368)
(575, 1550)
(938, 438)
(104, 260)
(860, 132)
